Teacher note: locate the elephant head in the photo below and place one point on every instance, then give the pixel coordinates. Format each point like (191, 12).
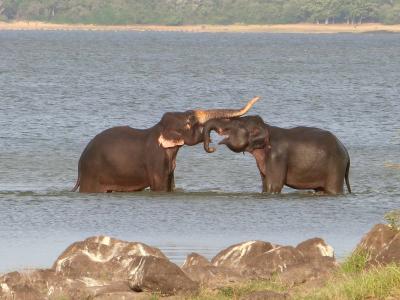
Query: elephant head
(186, 128)
(241, 134)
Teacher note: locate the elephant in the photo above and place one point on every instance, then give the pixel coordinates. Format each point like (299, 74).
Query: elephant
(125, 159)
(300, 157)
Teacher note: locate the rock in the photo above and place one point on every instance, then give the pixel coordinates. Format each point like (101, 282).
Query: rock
(273, 261)
(39, 284)
(100, 260)
(376, 239)
(317, 262)
(15, 285)
(97, 267)
(194, 259)
(239, 255)
(380, 245)
(390, 253)
(314, 249)
(199, 269)
(123, 296)
(265, 295)
(115, 288)
(158, 275)
(106, 268)
(260, 260)
(316, 270)
(47, 284)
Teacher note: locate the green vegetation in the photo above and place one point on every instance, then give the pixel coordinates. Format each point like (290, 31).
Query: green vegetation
(238, 290)
(352, 281)
(178, 12)
(355, 263)
(376, 283)
(393, 219)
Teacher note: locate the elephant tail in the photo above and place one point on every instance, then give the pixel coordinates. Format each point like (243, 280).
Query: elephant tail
(346, 176)
(78, 183)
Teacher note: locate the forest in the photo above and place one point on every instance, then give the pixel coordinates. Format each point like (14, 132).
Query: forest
(180, 12)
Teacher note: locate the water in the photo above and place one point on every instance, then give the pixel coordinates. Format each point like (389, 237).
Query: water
(59, 89)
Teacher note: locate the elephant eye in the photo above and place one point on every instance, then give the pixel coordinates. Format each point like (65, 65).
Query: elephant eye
(192, 120)
(188, 124)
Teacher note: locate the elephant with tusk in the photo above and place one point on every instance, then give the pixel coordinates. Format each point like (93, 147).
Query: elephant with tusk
(300, 157)
(126, 159)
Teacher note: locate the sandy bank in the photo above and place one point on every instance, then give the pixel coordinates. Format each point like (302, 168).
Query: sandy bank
(284, 28)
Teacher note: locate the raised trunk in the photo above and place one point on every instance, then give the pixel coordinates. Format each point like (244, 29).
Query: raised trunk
(211, 125)
(204, 115)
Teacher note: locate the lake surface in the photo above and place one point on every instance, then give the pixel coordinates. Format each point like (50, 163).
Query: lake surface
(59, 89)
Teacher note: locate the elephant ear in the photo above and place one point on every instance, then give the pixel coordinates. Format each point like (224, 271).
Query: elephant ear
(260, 139)
(170, 139)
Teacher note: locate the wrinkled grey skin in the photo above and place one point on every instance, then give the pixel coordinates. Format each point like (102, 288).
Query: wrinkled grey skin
(125, 159)
(300, 157)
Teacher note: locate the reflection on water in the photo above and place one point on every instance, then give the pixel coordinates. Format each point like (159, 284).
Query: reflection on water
(59, 89)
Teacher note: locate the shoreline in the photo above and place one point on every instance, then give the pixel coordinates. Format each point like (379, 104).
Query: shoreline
(236, 28)
(104, 267)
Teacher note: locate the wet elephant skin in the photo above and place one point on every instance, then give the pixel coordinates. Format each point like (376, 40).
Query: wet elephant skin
(126, 159)
(300, 157)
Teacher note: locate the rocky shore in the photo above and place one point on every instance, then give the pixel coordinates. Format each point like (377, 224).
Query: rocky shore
(103, 267)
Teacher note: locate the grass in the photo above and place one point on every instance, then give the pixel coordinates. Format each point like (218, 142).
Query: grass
(236, 291)
(393, 219)
(352, 281)
(376, 283)
(355, 263)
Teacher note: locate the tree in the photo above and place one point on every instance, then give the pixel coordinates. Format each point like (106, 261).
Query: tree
(176, 12)
(359, 10)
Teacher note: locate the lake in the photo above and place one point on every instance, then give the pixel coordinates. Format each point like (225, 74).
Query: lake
(59, 89)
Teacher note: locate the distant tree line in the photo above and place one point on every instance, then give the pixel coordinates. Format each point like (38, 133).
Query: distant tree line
(177, 12)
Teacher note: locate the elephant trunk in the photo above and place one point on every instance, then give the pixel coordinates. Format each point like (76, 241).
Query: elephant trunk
(204, 115)
(209, 126)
